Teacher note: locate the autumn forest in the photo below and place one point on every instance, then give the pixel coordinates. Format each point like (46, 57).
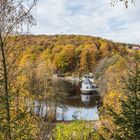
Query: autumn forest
(65, 87)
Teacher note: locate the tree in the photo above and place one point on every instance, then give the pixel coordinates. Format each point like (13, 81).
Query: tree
(87, 59)
(14, 15)
(129, 119)
(125, 120)
(65, 60)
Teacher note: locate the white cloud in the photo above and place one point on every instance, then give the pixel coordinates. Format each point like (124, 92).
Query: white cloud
(89, 17)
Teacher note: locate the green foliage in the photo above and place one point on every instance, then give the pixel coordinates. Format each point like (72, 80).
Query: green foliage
(124, 110)
(129, 120)
(77, 130)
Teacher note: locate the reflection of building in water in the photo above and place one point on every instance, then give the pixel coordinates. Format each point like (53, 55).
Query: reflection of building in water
(84, 107)
(88, 86)
(85, 98)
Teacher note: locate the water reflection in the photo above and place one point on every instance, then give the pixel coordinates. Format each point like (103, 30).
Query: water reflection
(70, 106)
(73, 113)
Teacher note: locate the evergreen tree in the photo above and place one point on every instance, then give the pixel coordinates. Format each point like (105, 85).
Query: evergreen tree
(127, 121)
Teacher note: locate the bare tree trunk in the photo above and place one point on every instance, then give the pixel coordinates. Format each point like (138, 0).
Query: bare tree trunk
(6, 93)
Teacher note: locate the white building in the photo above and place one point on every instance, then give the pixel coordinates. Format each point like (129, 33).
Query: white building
(135, 47)
(90, 77)
(85, 98)
(87, 86)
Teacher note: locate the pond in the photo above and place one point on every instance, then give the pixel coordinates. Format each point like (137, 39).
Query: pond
(68, 104)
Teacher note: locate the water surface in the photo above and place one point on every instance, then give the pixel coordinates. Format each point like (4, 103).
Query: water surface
(71, 105)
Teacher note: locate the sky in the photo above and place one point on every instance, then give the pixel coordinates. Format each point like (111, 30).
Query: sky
(89, 17)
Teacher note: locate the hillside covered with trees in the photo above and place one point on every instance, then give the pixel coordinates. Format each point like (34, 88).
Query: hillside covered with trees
(35, 58)
(31, 95)
(71, 55)
(67, 53)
